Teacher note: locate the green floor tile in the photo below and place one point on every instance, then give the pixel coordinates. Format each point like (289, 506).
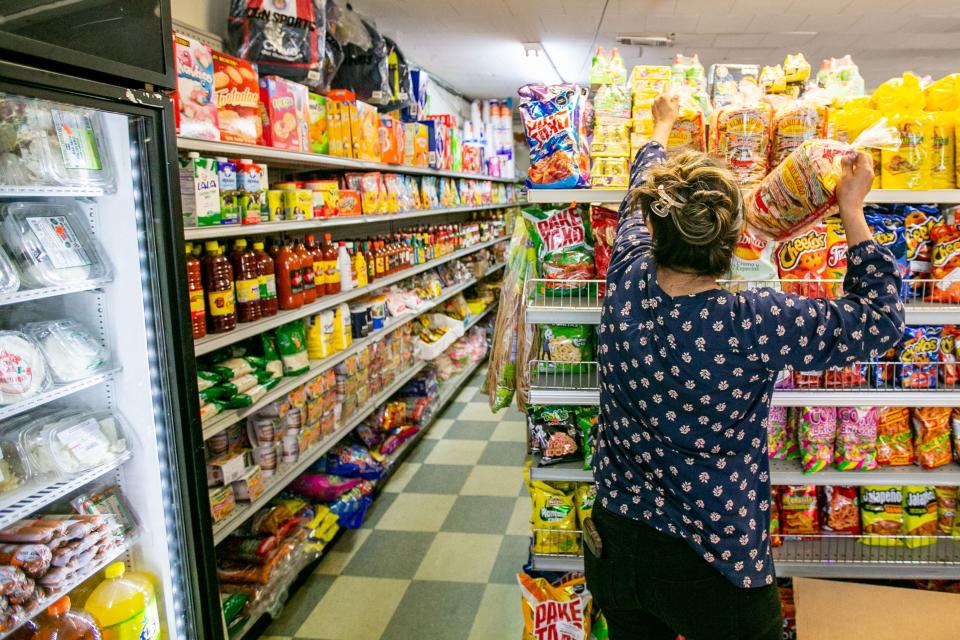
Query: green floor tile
(479, 514)
(421, 450)
(390, 554)
(300, 605)
(435, 611)
(380, 505)
(438, 478)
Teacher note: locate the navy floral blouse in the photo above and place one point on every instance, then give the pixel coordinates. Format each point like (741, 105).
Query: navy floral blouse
(686, 382)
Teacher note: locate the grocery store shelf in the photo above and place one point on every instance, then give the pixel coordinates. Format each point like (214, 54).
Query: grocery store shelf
(320, 224)
(557, 563)
(615, 196)
(299, 160)
(494, 269)
(577, 386)
(221, 421)
(54, 393)
(76, 579)
(868, 397)
(286, 473)
(10, 191)
(840, 556)
(26, 295)
(473, 320)
(789, 472)
(29, 499)
(246, 330)
(927, 313)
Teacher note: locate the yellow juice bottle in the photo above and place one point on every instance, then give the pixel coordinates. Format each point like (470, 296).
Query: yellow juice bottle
(125, 605)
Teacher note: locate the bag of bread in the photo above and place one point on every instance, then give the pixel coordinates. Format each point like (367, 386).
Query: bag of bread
(909, 166)
(689, 129)
(943, 173)
(848, 122)
(740, 135)
(800, 190)
(795, 121)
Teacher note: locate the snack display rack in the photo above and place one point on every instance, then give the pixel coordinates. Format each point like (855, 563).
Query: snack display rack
(822, 555)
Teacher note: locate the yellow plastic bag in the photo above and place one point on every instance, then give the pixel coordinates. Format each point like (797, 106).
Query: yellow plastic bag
(848, 122)
(554, 519)
(909, 167)
(943, 173)
(899, 95)
(919, 516)
(944, 94)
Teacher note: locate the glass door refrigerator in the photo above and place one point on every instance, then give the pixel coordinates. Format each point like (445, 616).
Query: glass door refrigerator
(100, 459)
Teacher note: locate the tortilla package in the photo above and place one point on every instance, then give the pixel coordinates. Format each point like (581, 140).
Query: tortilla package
(554, 119)
(564, 248)
(932, 443)
(881, 516)
(919, 516)
(894, 437)
(816, 431)
(840, 511)
(740, 135)
(856, 447)
(560, 612)
(798, 510)
(554, 434)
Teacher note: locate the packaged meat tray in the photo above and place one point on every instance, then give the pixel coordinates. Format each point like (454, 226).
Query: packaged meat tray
(46, 143)
(51, 243)
(71, 352)
(69, 443)
(23, 370)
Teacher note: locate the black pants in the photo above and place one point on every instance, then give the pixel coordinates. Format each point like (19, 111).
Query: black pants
(651, 586)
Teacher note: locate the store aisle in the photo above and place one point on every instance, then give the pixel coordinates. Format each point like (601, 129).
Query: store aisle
(439, 552)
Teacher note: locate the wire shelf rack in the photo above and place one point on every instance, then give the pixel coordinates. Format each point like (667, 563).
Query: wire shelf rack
(572, 301)
(564, 383)
(877, 556)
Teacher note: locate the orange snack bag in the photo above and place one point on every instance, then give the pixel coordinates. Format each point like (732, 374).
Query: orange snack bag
(804, 258)
(932, 427)
(945, 263)
(894, 438)
(836, 267)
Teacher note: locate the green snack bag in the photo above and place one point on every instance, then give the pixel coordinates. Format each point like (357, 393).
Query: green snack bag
(206, 379)
(565, 347)
(587, 421)
(233, 604)
(292, 346)
(564, 247)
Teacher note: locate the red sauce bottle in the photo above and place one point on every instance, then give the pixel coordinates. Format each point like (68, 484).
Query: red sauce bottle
(218, 283)
(195, 288)
(247, 276)
(319, 272)
(289, 277)
(306, 269)
(329, 253)
(268, 281)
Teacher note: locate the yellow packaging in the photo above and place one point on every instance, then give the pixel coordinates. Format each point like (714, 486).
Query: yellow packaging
(416, 151)
(368, 121)
(792, 124)
(335, 128)
(316, 349)
(611, 139)
(125, 605)
(849, 122)
(649, 77)
(910, 166)
(899, 95)
(836, 257)
(586, 496)
(943, 157)
(554, 519)
(688, 132)
(342, 336)
(275, 205)
(944, 94)
(356, 129)
(919, 516)
(298, 204)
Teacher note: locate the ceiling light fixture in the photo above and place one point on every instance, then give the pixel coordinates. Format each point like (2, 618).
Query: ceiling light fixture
(540, 62)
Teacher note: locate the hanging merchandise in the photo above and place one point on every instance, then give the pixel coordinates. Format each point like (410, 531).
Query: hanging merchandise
(553, 116)
(364, 69)
(848, 120)
(564, 248)
(282, 38)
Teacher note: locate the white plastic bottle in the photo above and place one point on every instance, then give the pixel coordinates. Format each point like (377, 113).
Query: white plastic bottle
(345, 265)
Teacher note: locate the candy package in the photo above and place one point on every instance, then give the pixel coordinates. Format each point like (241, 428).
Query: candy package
(740, 135)
(919, 516)
(554, 519)
(856, 446)
(944, 264)
(932, 431)
(564, 247)
(554, 434)
(816, 431)
(777, 433)
(840, 511)
(559, 612)
(881, 515)
(553, 117)
(894, 437)
(799, 514)
(800, 191)
(919, 351)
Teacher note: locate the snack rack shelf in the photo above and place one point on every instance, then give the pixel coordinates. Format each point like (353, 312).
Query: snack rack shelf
(216, 341)
(312, 161)
(221, 421)
(322, 224)
(615, 196)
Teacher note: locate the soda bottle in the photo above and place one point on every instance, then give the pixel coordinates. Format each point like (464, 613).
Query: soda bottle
(125, 605)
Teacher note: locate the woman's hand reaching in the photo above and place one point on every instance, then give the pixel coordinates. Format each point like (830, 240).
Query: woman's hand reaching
(856, 180)
(666, 109)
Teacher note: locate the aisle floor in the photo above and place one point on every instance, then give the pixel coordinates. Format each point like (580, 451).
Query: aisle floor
(438, 555)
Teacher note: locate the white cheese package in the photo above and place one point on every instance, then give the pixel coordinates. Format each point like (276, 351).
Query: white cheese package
(14, 468)
(51, 243)
(72, 353)
(23, 370)
(47, 143)
(69, 443)
(9, 278)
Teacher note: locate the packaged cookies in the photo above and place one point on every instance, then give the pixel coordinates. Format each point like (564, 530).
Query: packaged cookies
(285, 114)
(195, 102)
(238, 99)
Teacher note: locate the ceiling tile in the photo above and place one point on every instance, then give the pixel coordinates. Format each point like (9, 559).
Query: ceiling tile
(731, 40)
(724, 23)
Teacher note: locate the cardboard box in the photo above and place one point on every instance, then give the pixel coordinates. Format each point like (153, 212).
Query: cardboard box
(284, 109)
(827, 610)
(390, 134)
(225, 469)
(368, 148)
(194, 99)
(356, 131)
(416, 144)
(238, 99)
(335, 129)
(317, 123)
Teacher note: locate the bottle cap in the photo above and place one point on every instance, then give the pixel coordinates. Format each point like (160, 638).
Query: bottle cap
(258, 245)
(59, 607)
(211, 245)
(114, 570)
(240, 243)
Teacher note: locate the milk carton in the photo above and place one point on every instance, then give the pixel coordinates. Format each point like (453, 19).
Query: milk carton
(199, 191)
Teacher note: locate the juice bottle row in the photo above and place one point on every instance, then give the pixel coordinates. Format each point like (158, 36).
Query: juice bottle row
(254, 281)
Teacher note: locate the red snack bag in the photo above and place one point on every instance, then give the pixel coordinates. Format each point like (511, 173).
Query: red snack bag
(775, 539)
(950, 371)
(238, 99)
(894, 438)
(841, 513)
(945, 263)
(932, 428)
(798, 510)
(836, 267)
(603, 223)
(804, 258)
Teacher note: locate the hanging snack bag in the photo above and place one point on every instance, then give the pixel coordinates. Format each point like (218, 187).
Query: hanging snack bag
(565, 347)
(949, 369)
(559, 612)
(554, 434)
(752, 262)
(856, 447)
(777, 433)
(554, 519)
(919, 516)
(740, 135)
(944, 264)
(553, 117)
(943, 174)
(840, 511)
(817, 431)
(955, 431)
(802, 260)
(919, 352)
(836, 267)
(799, 514)
(564, 246)
(931, 426)
(946, 508)
(894, 437)
(603, 223)
(587, 418)
(796, 121)
(881, 516)
(775, 539)
(799, 191)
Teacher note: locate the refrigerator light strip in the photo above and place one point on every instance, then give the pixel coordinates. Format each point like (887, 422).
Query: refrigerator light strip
(49, 190)
(55, 393)
(216, 341)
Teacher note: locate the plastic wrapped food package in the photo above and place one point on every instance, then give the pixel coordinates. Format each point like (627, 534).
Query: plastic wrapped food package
(44, 143)
(74, 442)
(23, 371)
(72, 353)
(51, 243)
(740, 135)
(795, 121)
(14, 468)
(9, 278)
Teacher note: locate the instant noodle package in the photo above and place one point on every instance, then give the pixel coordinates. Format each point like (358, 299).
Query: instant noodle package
(553, 117)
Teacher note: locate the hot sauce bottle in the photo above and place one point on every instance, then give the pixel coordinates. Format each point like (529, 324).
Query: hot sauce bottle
(218, 283)
(244, 262)
(195, 289)
(306, 269)
(268, 281)
(289, 277)
(330, 268)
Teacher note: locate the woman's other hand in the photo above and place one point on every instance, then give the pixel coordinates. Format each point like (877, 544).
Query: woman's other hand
(856, 179)
(666, 109)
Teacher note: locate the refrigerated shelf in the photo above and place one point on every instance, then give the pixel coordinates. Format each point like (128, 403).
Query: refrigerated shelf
(26, 295)
(11, 191)
(322, 224)
(286, 474)
(243, 331)
(300, 160)
(615, 196)
(55, 393)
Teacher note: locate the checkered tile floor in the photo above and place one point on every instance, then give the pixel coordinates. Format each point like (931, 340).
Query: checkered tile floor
(438, 555)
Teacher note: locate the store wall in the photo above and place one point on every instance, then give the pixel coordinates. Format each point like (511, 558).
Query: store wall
(205, 15)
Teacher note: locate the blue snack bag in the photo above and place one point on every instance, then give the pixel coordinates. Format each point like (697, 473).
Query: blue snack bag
(919, 353)
(553, 118)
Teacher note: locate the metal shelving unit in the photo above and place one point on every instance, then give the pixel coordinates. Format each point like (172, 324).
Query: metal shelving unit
(322, 224)
(307, 161)
(216, 341)
(615, 196)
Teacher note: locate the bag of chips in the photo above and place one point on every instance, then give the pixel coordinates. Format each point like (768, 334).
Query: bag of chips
(586, 496)
(918, 221)
(565, 347)
(752, 261)
(560, 612)
(944, 264)
(804, 258)
(564, 248)
(836, 267)
(888, 231)
(840, 511)
(798, 192)
(603, 222)
(553, 117)
(946, 508)
(554, 519)
(554, 434)
(919, 350)
(587, 421)
(817, 431)
(777, 433)
(798, 510)
(894, 437)
(775, 539)
(856, 448)
(919, 516)
(881, 516)
(931, 426)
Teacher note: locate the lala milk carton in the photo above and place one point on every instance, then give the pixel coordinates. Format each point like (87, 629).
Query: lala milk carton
(199, 191)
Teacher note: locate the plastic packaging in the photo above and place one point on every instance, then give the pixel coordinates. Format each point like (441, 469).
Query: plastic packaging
(61, 623)
(23, 370)
(740, 135)
(553, 117)
(9, 278)
(51, 243)
(73, 442)
(125, 605)
(71, 352)
(796, 121)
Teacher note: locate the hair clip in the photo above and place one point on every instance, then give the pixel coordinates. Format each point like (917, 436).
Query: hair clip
(663, 204)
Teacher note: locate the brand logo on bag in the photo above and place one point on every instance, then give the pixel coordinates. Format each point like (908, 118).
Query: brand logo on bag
(881, 496)
(554, 620)
(542, 129)
(942, 253)
(285, 20)
(561, 230)
(921, 499)
(789, 253)
(837, 255)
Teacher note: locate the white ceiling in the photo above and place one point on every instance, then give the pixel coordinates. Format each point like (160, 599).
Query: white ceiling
(475, 45)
